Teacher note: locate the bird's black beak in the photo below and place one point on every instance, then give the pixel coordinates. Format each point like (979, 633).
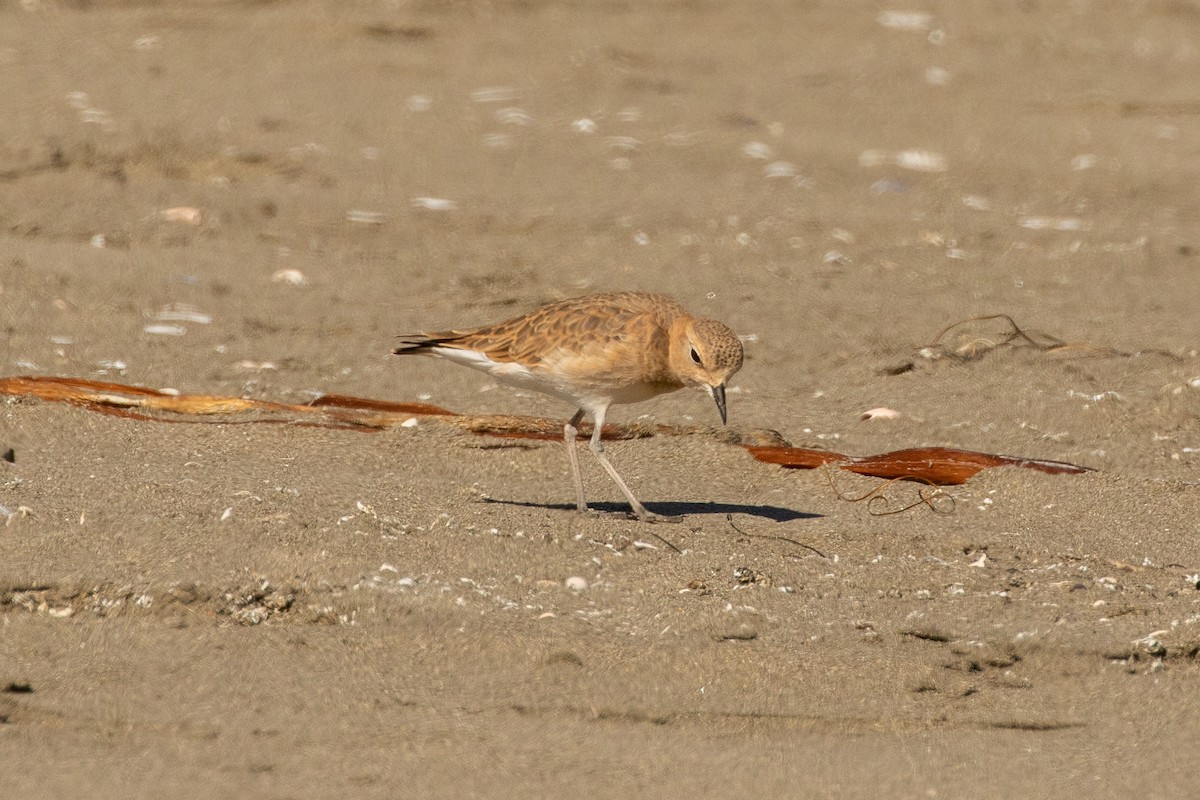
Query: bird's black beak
(718, 393)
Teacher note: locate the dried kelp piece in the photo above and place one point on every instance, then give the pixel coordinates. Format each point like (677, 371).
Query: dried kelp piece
(137, 402)
(347, 401)
(796, 457)
(948, 466)
(934, 465)
(944, 466)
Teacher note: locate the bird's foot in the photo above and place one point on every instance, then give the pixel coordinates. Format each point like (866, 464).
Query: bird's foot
(643, 515)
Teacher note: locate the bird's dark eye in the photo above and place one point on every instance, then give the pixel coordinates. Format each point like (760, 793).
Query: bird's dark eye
(695, 356)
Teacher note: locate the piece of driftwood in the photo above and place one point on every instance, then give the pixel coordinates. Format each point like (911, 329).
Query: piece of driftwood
(937, 465)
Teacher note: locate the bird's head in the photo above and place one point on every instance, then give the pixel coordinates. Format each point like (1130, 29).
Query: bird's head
(706, 353)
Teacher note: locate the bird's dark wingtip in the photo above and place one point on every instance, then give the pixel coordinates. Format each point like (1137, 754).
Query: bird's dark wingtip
(413, 343)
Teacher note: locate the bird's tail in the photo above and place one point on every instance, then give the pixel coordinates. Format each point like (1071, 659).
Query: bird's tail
(422, 343)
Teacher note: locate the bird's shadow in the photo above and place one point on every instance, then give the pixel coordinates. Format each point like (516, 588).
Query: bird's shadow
(674, 509)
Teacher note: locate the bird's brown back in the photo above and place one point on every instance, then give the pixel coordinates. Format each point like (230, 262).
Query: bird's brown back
(612, 322)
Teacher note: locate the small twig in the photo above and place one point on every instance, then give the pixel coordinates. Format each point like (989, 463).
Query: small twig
(667, 542)
(1014, 334)
(1041, 341)
(875, 497)
(732, 524)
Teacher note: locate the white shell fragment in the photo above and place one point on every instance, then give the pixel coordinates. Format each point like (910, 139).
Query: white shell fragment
(781, 169)
(514, 116)
(495, 94)
(915, 160)
(622, 144)
(1084, 161)
(9, 515)
(881, 413)
(1095, 398)
(418, 103)
(937, 76)
(758, 150)
(921, 161)
(365, 217)
(187, 214)
(181, 312)
(576, 584)
(292, 277)
(433, 203)
(158, 329)
(1053, 223)
(905, 20)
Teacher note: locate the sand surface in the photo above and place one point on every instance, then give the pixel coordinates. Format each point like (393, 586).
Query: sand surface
(242, 610)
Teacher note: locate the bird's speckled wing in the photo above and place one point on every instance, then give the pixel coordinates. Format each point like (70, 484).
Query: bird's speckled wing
(563, 335)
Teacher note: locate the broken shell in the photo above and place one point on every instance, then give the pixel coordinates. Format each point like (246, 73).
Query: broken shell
(363, 217)
(905, 20)
(165, 330)
(921, 161)
(758, 150)
(1038, 223)
(188, 214)
(292, 277)
(433, 203)
(495, 94)
(182, 312)
(781, 169)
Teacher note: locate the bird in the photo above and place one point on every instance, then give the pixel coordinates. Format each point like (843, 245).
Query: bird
(596, 351)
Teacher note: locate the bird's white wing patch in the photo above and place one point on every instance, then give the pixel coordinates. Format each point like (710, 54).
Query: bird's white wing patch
(504, 371)
(544, 380)
(510, 370)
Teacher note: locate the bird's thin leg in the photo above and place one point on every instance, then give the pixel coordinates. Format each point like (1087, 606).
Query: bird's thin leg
(639, 510)
(570, 432)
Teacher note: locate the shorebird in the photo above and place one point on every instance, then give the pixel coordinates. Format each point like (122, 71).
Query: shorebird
(594, 351)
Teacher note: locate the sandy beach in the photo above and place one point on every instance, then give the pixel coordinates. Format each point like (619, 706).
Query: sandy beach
(251, 200)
